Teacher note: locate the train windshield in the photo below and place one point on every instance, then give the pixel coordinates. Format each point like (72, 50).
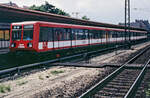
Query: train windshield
(28, 32)
(16, 32)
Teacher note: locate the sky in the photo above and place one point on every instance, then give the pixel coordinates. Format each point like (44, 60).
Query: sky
(106, 11)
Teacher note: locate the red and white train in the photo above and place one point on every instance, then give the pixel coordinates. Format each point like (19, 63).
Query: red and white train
(44, 36)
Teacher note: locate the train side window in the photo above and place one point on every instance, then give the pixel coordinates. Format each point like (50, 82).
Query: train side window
(77, 34)
(113, 34)
(73, 35)
(94, 34)
(80, 34)
(100, 34)
(85, 34)
(109, 34)
(96, 31)
(123, 34)
(67, 34)
(46, 34)
(90, 34)
(104, 34)
(56, 34)
(60, 34)
(50, 34)
(131, 34)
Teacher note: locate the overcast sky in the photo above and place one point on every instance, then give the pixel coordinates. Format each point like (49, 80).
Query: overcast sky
(107, 11)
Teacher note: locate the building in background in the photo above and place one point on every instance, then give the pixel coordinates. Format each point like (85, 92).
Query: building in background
(4, 35)
(144, 24)
(10, 4)
(5, 29)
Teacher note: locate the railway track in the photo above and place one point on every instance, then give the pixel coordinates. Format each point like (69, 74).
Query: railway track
(17, 70)
(120, 83)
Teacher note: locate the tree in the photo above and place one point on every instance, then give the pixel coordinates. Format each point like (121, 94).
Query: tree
(85, 18)
(49, 8)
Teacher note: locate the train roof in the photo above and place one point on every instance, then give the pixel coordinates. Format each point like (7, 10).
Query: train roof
(62, 24)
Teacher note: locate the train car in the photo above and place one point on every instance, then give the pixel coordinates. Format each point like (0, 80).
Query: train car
(41, 36)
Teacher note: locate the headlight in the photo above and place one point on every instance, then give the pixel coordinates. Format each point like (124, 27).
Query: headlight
(13, 45)
(30, 45)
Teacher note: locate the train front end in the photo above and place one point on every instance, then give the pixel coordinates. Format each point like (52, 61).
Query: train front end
(22, 37)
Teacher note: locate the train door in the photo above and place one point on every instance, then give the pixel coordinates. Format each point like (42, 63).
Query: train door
(42, 38)
(107, 37)
(46, 38)
(67, 38)
(74, 37)
(56, 38)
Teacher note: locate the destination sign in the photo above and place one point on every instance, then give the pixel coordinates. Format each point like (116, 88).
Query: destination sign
(28, 26)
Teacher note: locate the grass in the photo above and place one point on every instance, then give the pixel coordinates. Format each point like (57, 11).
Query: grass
(55, 72)
(148, 91)
(19, 78)
(20, 83)
(5, 88)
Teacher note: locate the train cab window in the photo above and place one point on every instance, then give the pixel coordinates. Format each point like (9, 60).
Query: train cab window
(16, 32)
(28, 32)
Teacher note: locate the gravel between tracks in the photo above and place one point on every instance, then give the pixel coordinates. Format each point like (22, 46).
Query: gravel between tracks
(63, 81)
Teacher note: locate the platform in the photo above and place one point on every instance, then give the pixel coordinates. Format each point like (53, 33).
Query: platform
(4, 51)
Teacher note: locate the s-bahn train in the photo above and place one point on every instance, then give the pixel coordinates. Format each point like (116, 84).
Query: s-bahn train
(45, 36)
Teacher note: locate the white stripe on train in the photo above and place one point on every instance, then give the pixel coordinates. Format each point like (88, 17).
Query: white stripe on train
(65, 44)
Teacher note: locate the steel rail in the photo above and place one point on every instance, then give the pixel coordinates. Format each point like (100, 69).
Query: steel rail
(51, 61)
(138, 80)
(101, 84)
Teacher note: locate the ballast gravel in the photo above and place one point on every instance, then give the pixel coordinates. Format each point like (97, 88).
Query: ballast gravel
(59, 82)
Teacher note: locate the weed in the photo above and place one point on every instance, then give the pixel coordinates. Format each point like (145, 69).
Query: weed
(19, 78)
(4, 88)
(55, 72)
(20, 83)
